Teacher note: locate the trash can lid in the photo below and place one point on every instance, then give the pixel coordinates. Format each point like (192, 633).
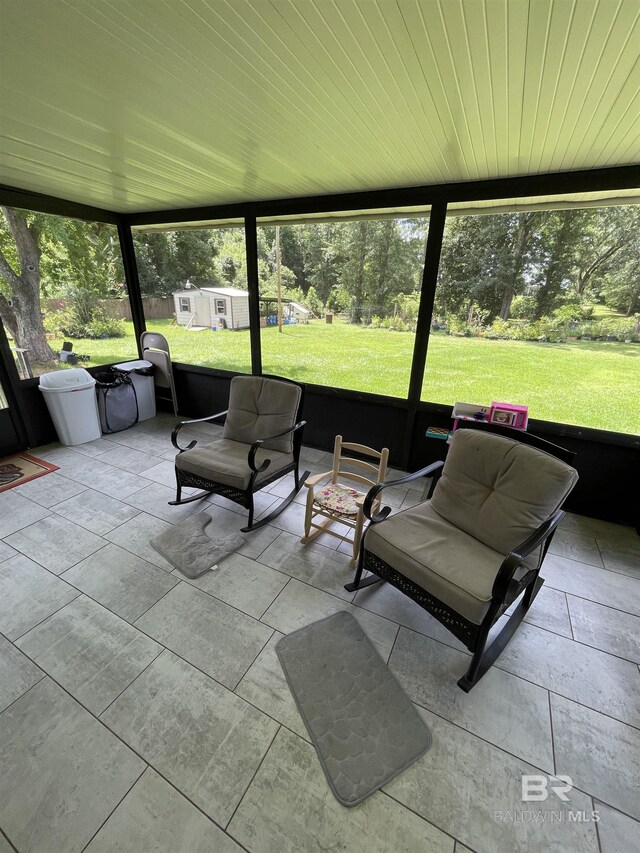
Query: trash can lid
(133, 365)
(74, 379)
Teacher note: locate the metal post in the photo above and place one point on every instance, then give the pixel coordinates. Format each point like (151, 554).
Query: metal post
(253, 284)
(425, 310)
(133, 282)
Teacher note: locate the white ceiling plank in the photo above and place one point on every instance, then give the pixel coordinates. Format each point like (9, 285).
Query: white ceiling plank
(139, 105)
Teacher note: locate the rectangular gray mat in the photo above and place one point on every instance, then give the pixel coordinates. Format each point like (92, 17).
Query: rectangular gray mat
(187, 547)
(362, 723)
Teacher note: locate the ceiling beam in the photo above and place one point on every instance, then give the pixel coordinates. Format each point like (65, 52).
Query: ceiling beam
(26, 200)
(590, 180)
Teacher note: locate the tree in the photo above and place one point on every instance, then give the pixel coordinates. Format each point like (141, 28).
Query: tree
(20, 307)
(483, 264)
(620, 285)
(323, 258)
(558, 234)
(42, 255)
(168, 259)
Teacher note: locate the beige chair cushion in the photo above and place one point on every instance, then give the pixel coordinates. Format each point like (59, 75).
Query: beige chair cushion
(493, 494)
(225, 461)
(498, 490)
(439, 558)
(260, 407)
(338, 498)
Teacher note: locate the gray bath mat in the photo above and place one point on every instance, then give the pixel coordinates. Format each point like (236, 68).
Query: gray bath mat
(361, 721)
(189, 549)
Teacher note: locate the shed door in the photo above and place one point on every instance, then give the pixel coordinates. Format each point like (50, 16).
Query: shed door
(203, 311)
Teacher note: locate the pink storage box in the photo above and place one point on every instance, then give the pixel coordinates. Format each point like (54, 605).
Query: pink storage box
(508, 414)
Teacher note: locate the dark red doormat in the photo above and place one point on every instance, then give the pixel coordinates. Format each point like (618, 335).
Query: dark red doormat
(20, 468)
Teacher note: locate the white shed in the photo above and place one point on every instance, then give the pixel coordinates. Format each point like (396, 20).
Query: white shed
(300, 313)
(212, 307)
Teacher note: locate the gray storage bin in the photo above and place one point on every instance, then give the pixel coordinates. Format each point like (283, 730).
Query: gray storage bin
(117, 401)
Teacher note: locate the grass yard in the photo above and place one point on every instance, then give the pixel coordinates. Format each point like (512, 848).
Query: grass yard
(588, 383)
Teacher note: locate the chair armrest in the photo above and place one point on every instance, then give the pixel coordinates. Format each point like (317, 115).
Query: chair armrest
(258, 444)
(310, 482)
(434, 469)
(178, 427)
(514, 559)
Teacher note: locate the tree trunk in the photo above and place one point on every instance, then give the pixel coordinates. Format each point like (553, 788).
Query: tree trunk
(21, 312)
(585, 275)
(387, 231)
(525, 222)
(358, 284)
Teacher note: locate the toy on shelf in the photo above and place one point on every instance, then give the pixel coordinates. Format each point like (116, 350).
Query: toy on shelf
(469, 412)
(508, 414)
(438, 432)
(504, 414)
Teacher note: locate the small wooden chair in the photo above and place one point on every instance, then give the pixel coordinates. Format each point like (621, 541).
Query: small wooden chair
(335, 502)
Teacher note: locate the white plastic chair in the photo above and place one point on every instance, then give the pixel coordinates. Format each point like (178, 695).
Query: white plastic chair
(155, 348)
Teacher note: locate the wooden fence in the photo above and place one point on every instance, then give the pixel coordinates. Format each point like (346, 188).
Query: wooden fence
(154, 308)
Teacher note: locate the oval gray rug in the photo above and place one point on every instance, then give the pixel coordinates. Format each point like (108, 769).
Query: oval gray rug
(363, 725)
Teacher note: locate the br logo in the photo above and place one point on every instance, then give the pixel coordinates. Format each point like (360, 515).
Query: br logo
(535, 787)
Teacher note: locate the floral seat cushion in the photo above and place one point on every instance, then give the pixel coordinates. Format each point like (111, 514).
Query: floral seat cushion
(338, 498)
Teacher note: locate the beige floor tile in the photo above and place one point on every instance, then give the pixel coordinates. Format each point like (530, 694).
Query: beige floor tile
(51, 489)
(289, 807)
(205, 740)
(321, 567)
(217, 638)
(135, 535)
(473, 790)
(618, 832)
(243, 583)
(601, 755)
(89, 651)
(429, 672)
(28, 594)
(300, 604)
(605, 628)
(122, 582)
(17, 512)
(95, 511)
(569, 668)
(55, 543)
(265, 686)
(154, 816)
(63, 772)
(17, 673)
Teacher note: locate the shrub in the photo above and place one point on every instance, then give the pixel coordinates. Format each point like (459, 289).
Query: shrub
(613, 328)
(66, 323)
(105, 327)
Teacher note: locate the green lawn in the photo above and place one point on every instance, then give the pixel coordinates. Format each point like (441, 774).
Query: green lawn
(588, 383)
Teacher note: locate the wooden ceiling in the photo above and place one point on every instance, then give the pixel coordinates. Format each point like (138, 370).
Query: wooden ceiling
(138, 105)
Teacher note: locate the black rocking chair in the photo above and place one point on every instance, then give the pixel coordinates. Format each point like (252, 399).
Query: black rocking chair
(260, 443)
(478, 541)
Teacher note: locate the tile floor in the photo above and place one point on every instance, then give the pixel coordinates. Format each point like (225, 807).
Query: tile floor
(143, 711)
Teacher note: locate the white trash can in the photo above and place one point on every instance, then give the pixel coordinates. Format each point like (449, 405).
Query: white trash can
(70, 396)
(141, 373)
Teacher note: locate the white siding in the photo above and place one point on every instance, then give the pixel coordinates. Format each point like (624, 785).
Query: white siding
(183, 317)
(240, 312)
